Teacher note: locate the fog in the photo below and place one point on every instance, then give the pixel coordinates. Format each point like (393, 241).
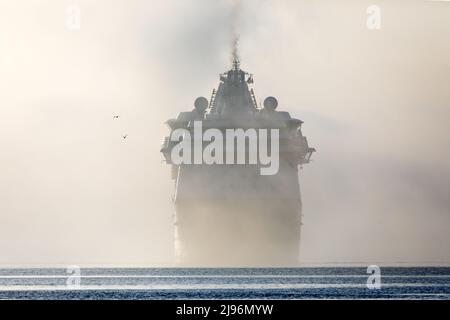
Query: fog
(375, 103)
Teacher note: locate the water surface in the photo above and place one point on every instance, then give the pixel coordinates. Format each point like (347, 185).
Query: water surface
(225, 283)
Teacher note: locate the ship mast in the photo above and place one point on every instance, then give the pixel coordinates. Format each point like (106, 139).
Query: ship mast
(236, 66)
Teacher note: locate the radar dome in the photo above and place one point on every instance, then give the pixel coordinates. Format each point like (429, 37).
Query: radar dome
(201, 104)
(270, 103)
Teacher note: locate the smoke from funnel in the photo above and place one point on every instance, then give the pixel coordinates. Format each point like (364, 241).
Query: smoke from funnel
(235, 17)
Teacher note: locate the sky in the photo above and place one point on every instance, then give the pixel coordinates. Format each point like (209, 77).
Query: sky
(375, 105)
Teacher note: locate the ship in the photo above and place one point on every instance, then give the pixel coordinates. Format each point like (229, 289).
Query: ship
(230, 215)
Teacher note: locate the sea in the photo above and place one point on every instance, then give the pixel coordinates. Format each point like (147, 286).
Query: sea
(225, 283)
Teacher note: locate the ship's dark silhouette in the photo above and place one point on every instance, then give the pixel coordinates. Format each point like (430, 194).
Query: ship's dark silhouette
(231, 215)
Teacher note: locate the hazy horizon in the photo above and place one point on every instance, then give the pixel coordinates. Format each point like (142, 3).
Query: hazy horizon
(375, 105)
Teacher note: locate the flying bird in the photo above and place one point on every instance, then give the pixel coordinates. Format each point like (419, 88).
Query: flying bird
(125, 136)
(116, 117)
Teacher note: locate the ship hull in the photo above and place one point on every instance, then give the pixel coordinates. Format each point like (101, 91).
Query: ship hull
(242, 219)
